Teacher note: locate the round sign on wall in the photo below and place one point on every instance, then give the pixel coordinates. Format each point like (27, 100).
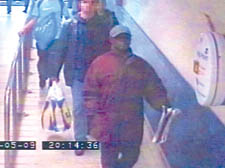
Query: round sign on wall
(209, 69)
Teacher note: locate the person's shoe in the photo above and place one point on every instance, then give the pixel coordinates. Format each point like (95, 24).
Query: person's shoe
(25, 11)
(79, 152)
(9, 11)
(42, 83)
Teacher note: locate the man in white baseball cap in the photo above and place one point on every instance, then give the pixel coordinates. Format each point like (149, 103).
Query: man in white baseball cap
(114, 88)
(120, 38)
(119, 29)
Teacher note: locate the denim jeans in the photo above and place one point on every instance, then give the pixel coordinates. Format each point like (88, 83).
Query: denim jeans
(80, 117)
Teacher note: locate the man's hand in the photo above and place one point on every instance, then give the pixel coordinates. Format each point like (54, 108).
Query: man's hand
(22, 33)
(28, 27)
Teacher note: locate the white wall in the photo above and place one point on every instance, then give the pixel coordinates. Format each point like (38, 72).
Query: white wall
(175, 25)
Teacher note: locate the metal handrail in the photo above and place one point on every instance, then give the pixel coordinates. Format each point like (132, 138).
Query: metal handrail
(13, 95)
(8, 90)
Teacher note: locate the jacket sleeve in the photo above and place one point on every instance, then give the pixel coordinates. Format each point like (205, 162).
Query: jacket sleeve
(155, 93)
(91, 91)
(68, 58)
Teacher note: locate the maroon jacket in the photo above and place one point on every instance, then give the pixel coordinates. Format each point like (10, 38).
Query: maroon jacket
(114, 90)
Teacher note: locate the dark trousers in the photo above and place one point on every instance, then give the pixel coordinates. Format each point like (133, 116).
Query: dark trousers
(110, 153)
(49, 63)
(42, 64)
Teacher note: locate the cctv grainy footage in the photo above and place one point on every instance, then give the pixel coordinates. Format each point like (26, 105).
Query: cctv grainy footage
(112, 84)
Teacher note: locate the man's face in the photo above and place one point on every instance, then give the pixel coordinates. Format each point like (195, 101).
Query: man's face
(121, 42)
(88, 6)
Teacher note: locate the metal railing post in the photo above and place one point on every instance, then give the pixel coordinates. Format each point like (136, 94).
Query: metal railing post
(13, 99)
(20, 69)
(7, 109)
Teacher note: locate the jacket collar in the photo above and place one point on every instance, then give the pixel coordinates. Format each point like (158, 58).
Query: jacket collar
(129, 53)
(80, 19)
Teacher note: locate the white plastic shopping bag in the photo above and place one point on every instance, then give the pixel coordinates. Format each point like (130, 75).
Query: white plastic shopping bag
(56, 114)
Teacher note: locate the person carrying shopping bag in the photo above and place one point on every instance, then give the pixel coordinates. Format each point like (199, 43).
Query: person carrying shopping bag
(45, 22)
(81, 42)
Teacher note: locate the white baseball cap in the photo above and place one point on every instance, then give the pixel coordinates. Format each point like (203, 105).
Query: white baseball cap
(119, 29)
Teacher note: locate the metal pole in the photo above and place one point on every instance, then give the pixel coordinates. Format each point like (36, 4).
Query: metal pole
(7, 115)
(20, 80)
(26, 47)
(20, 70)
(14, 99)
(7, 125)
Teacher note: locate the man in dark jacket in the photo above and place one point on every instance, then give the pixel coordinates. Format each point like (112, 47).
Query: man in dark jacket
(115, 85)
(81, 42)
